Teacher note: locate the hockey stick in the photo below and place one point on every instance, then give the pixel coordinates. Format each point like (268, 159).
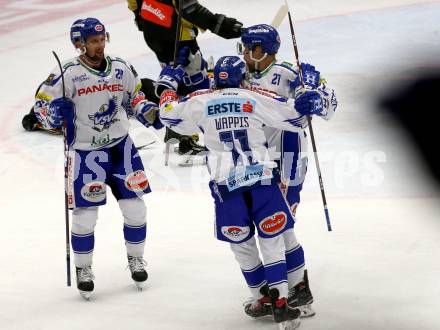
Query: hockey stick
(312, 135)
(176, 50)
(145, 146)
(279, 16)
(66, 170)
(178, 32)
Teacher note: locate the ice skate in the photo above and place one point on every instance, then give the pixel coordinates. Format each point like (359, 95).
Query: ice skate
(84, 281)
(286, 317)
(301, 297)
(138, 272)
(189, 146)
(260, 307)
(190, 160)
(192, 153)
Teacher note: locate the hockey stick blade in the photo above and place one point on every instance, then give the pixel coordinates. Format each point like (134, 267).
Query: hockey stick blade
(146, 146)
(279, 16)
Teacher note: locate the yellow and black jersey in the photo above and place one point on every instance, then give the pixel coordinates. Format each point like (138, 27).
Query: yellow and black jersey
(158, 20)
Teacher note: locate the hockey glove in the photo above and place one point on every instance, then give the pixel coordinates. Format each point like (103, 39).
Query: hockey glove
(183, 56)
(148, 115)
(196, 76)
(227, 27)
(310, 77)
(58, 110)
(309, 102)
(169, 78)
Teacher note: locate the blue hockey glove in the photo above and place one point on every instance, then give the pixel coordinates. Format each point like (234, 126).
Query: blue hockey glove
(310, 76)
(169, 78)
(58, 110)
(196, 76)
(183, 57)
(157, 124)
(309, 102)
(148, 115)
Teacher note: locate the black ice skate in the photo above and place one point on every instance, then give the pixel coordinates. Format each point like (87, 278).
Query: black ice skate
(286, 317)
(84, 281)
(192, 151)
(188, 146)
(137, 269)
(301, 297)
(260, 307)
(171, 137)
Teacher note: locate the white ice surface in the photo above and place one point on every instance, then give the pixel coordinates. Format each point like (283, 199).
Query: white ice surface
(378, 269)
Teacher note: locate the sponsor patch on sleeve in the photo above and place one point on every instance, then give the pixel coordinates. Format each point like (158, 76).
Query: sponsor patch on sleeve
(140, 96)
(50, 80)
(44, 97)
(133, 70)
(168, 97)
(138, 88)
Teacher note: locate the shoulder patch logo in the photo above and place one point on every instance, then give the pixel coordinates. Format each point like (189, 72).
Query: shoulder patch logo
(50, 80)
(134, 71)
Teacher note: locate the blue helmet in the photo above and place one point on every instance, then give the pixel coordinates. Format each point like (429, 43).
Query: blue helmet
(75, 30)
(229, 71)
(262, 35)
(92, 27)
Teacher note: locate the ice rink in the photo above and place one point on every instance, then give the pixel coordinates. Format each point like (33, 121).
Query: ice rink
(378, 269)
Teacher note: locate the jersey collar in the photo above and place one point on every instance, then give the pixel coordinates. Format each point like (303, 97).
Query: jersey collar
(263, 73)
(104, 73)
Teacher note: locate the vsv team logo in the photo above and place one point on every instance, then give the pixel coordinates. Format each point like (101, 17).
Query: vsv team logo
(105, 116)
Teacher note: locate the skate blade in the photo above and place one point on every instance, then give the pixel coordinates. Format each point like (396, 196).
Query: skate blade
(141, 285)
(289, 325)
(306, 311)
(192, 160)
(188, 161)
(85, 294)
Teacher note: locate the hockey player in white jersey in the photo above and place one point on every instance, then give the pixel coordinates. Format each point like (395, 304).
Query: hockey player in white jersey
(259, 46)
(30, 121)
(101, 92)
(244, 180)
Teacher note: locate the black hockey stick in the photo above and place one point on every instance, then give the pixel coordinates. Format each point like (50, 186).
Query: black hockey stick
(178, 32)
(145, 146)
(312, 135)
(168, 132)
(66, 170)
